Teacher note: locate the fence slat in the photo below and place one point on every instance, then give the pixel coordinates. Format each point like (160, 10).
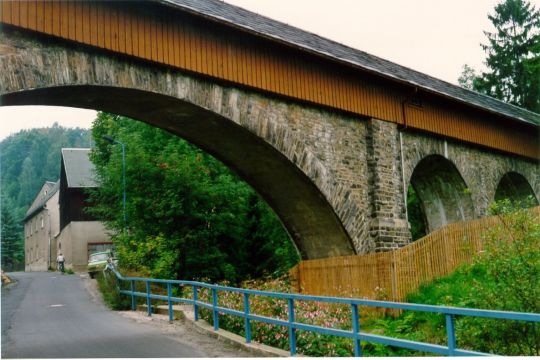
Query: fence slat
(393, 275)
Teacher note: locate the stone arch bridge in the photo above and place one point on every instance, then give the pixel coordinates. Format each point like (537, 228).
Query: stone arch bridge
(331, 137)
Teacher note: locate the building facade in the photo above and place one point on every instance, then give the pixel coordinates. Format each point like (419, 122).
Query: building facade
(57, 221)
(41, 227)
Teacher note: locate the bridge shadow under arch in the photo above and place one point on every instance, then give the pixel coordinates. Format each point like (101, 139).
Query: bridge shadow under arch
(515, 187)
(442, 193)
(304, 211)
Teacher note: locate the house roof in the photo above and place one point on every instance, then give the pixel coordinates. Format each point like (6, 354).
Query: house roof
(78, 167)
(46, 192)
(259, 25)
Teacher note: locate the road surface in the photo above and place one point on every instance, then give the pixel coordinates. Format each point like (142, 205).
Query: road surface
(50, 315)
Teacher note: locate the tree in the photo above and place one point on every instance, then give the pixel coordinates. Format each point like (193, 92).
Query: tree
(12, 245)
(28, 159)
(189, 217)
(31, 157)
(512, 56)
(467, 77)
(415, 212)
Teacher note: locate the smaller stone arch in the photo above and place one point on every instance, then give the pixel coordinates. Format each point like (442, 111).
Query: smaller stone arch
(515, 187)
(442, 193)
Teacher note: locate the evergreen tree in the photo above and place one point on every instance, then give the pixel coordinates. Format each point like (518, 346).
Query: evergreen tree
(512, 56)
(28, 182)
(28, 159)
(417, 218)
(12, 245)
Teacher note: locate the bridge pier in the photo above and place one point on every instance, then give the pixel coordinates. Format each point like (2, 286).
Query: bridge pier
(388, 228)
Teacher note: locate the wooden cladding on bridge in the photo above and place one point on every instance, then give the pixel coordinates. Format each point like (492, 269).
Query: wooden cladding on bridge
(167, 36)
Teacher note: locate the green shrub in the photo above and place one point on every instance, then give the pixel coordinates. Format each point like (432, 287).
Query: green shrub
(107, 284)
(308, 343)
(510, 281)
(504, 277)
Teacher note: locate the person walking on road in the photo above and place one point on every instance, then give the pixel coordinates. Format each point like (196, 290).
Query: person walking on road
(60, 260)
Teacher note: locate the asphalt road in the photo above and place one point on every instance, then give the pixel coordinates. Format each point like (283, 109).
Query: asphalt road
(49, 315)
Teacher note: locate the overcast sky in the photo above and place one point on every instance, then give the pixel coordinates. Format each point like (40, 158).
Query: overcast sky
(432, 36)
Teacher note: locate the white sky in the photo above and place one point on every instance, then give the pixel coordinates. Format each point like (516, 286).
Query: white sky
(432, 36)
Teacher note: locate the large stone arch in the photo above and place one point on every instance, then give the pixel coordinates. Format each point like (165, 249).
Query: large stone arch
(443, 194)
(515, 187)
(269, 142)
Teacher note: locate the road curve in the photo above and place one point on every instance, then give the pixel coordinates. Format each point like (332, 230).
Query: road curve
(50, 315)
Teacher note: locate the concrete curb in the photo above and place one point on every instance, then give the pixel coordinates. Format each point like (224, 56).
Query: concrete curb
(185, 313)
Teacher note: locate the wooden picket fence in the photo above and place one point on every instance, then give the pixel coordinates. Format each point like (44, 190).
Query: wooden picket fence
(392, 275)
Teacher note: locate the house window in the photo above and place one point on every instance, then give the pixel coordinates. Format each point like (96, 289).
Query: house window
(42, 222)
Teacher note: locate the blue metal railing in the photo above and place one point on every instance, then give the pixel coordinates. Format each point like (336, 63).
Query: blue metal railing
(355, 333)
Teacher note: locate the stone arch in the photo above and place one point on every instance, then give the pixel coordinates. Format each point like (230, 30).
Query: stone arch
(238, 127)
(515, 187)
(443, 194)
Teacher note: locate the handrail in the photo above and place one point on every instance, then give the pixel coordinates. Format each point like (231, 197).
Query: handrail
(356, 334)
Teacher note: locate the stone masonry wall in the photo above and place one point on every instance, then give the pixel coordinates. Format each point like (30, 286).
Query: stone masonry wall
(481, 169)
(388, 227)
(328, 147)
(354, 163)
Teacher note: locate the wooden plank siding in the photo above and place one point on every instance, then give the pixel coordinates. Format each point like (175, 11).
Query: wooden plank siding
(152, 32)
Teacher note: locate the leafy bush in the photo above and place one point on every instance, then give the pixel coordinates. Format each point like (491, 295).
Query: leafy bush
(314, 313)
(504, 277)
(188, 215)
(509, 280)
(108, 285)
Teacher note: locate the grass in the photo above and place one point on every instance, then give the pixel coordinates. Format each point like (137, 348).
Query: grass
(107, 284)
(505, 277)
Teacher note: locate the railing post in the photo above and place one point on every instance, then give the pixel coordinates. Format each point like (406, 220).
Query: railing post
(169, 302)
(292, 330)
(451, 334)
(215, 313)
(133, 302)
(148, 301)
(195, 306)
(356, 330)
(246, 319)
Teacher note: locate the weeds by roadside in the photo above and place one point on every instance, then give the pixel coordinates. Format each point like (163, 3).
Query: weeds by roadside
(107, 284)
(504, 277)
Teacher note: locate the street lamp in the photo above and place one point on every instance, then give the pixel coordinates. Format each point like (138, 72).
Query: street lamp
(114, 141)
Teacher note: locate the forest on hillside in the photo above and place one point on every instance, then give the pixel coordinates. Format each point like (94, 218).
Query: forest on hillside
(28, 159)
(188, 215)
